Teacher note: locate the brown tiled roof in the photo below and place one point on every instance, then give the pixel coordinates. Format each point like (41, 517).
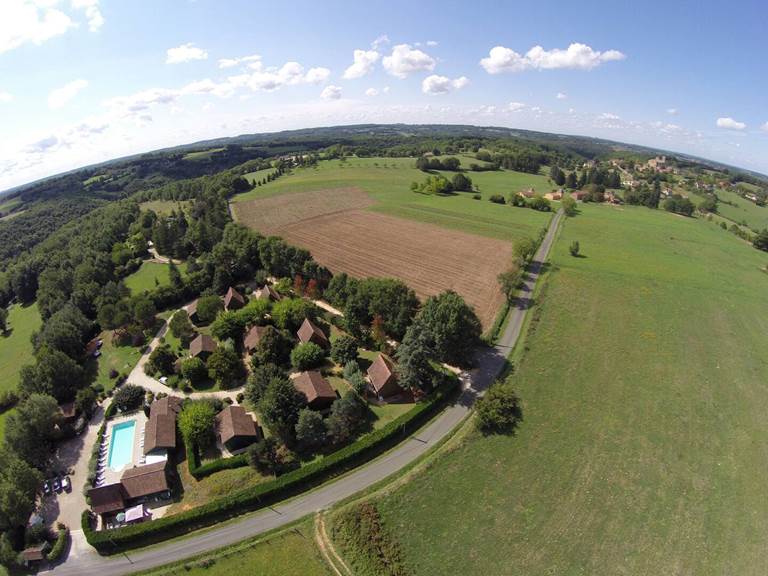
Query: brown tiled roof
(309, 331)
(233, 298)
(36, 553)
(165, 406)
(381, 372)
(253, 336)
(192, 308)
(266, 293)
(232, 422)
(314, 386)
(203, 343)
(160, 432)
(145, 480)
(108, 498)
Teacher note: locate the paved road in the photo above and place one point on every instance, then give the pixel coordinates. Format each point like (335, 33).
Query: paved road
(490, 362)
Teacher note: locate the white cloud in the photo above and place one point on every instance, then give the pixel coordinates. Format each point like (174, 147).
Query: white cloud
(764, 127)
(672, 111)
(405, 60)
(576, 56)
(561, 96)
(6, 96)
(382, 40)
(515, 106)
(92, 13)
(331, 93)
(364, 61)
(730, 124)
(290, 73)
(61, 96)
(431, 42)
(435, 84)
(371, 92)
(317, 75)
(23, 21)
(185, 53)
(232, 62)
(608, 116)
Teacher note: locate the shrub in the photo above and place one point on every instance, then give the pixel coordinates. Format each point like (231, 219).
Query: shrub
(540, 203)
(280, 406)
(208, 308)
(574, 248)
(225, 367)
(347, 415)
(307, 355)
(58, 547)
(498, 411)
(258, 381)
(289, 313)
(265, 493)
(196, 423)
(274, 347)
(354, 376)
(127, 398)
(310, 429)
(477, 197)
(497, 199)
(569, 206)
(344, 349)
(262, 455)
(240, 397)
(161, 360)
(194, 370)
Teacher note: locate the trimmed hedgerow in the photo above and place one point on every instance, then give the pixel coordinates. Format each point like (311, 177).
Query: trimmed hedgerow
(58, 548)
(264, 494)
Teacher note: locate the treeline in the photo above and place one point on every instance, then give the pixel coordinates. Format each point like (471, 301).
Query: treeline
(574, 179)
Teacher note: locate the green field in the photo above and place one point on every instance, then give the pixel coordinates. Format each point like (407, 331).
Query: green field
(165, 207)
(258, 174)
(15, 345)
(744, 211)
(201, 154)
(388, 181)
(292, 552)
(120, 358)
(642, 449)
(149, 276)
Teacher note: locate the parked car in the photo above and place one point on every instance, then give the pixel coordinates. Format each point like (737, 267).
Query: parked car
(66, 484)
(47, 488)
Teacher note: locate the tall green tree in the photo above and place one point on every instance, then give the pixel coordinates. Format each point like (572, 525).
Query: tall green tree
(280, 406)
(452, 327)
(196, 422)
(413, 368)
(30, 429)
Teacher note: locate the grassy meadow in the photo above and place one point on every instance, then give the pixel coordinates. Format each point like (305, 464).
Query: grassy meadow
(149, 276)
(642, 449)
(165, 207)
(15, 345)
(742, 211)
(388, 181)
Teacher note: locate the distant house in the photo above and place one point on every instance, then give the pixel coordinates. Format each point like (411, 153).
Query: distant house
(310, 332)
(578, 195)
(202, 347)
(33, 555)
(320, 395)
(253, 337)
(233, 300)
(235, 428)
(554, 195)
(192, 312)
(382, 377)
(266, 293)
(527, 193)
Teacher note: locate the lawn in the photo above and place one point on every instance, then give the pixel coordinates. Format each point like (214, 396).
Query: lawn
(258, 174)
(642, 449)
(149, 276)
(388, 180)
(165, 207)
(120, 358)
(742, 211)
(288, 553)
(15, 345)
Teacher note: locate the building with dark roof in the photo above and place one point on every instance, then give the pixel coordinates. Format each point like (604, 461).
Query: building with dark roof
(253, 337)
(107, 499)
(143, 481)
(311, 332)
(235, 428)
(381, 375)
(202, 347)
(233, 300)
(320, 394)
(266, 293)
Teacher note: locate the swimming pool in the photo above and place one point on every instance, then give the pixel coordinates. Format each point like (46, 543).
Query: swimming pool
(121, 445)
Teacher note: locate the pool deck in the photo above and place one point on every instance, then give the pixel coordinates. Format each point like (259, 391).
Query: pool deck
(111, 476)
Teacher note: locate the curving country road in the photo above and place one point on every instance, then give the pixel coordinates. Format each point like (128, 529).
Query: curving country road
(489, 361)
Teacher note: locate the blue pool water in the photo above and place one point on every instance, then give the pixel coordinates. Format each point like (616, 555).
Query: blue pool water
(121, 445)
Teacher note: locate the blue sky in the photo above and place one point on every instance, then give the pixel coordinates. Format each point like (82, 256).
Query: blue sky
(83, 81)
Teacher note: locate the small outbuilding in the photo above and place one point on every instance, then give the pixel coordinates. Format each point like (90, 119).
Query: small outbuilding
(320, 394)
(233, 300)
(107, 499)
(311, 332)
(381, 375)
(202, 347)
(235, 429)
(253, 337)
(266, 293)
(192, 312)
(33, 555)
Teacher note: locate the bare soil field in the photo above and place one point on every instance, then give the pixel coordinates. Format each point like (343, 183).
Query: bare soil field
(269, 215)
(427, 258)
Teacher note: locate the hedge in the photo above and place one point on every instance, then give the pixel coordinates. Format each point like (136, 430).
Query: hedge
(199, 471)
(267, 493)
(58, 548)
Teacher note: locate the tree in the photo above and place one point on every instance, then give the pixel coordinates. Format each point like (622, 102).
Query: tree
(194, 370)
(344, 349)
(761, 240)
(128, 397)
(498, 411)
(570, 180)
(229, 325)
(540, 203)
(3, 320)
(55, 374)
(569, 206)
(274, 347)
(524, 249)
(263, 456)
(85, 401)
(208, 308)
(461, 182)
(307, 355)
(225, 367)
(196, 422)
(289, 313)
(18, 487)
(574, 248)
(175, 276)
(413, 368)
(453, 328)
(181, 327)
(66, 330)
(254, 312)
(144, 311)
(30, 429)
(347, 415)
(259, 380)
(355, 377)
(162, 360)
(280, 407)
(310, 429)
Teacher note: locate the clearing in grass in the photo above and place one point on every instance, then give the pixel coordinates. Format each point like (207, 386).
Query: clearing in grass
(15, 345)
(150, 275)
(641, 449)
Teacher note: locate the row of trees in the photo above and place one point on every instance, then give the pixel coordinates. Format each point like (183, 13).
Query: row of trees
(438, 184)
(450, 164)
